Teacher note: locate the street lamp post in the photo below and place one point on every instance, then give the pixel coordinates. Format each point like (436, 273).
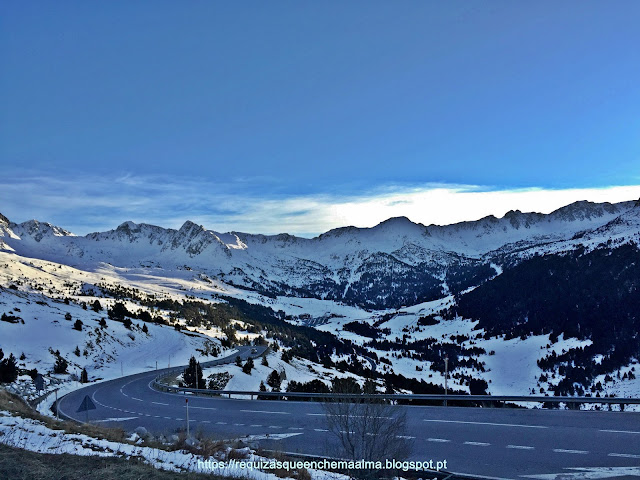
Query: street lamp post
(446, 374)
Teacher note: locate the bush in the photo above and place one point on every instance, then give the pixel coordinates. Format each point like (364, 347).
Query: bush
(78, 325)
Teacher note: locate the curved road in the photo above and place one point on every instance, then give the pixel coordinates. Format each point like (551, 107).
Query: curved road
(497, 443)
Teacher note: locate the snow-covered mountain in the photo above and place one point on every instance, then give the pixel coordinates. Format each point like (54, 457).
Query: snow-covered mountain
(527, 303)
(409, 262)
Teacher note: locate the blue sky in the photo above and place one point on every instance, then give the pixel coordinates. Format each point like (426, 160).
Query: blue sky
(281, 116)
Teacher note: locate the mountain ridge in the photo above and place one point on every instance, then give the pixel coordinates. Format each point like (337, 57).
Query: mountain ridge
(394, 263)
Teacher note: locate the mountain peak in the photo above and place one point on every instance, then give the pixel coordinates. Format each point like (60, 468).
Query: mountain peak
(190, 226)
(396, 222)
(4, 219)
(127, 226)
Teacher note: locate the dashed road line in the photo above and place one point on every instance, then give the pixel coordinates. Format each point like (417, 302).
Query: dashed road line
(160, 403)
(320, 430)
(441, 440)
(477, 444)
(578, 452)
(265, 411)
(620, 431)
(521, 447)
(488, 423)
(624, 455)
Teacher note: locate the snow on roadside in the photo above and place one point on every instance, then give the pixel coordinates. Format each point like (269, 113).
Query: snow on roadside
(35, 436)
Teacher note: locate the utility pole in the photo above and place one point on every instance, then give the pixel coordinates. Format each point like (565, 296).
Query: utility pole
(446, 374)
(187, 402)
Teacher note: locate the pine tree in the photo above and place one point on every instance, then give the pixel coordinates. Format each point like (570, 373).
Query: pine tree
(60, 365)
(145, 329)
(96, 306)
(192, 377)
(8, 369)
(262, 388)
(248, 366)
(265, 362)
(84, 376)
(274, 381)
(78, 325)
(238, 361)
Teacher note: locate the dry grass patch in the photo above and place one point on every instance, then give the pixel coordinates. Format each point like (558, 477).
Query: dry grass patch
(18, 464)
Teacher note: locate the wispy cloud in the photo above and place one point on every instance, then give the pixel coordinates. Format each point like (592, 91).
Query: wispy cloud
(89, 203)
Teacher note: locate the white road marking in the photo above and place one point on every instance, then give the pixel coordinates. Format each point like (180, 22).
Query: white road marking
(354, 416)
(592, 473)
(320, 430)
(168, 418)
(488, 423)
(442, 440)
(270, 436)
(265, 411)
(274, 426)
(406, 437)
(255, 425)
(160, 403)
(134, 398)
(204, 408)
(116, 419)
(620, 431)
(221, 423)
(478, 444)
(624, 455)
(239, 424)
(296, 428)
(520, 447)
(562, 450)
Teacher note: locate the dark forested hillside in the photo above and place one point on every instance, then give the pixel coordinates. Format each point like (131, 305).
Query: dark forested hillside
(593, 296)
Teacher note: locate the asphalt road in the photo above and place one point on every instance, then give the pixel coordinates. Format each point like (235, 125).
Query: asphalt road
(481, 442)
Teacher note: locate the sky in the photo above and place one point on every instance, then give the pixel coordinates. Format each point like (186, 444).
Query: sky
(298, 117)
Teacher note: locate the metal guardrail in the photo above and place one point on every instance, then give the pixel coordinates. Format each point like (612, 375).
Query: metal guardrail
(400, 397)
